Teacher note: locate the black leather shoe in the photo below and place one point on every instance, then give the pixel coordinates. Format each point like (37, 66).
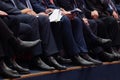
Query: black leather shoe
(115, 53)
(39, 64)
(87, 57)
(10, 70)
(55, 64)
(63, 60)
(103, 41)
(27, 44)
(80, 61)
(116, 56)
(5, 72)
(19, 68)
(18, 44)
(104, 56)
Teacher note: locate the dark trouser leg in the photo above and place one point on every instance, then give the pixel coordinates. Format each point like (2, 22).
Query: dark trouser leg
(113, 30)
(37, 51)
(1, 50)
(93, 26)
(68, 38)
(4, 70)
(77, 29)
(90, 31)
(72, 40)
(13, 23)
(33, 22)
(48, 42)
(5, 32)
(25, 31)
(102, 29)
(56, 29)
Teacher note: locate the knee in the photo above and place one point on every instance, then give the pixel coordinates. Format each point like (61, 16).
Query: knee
(100, 23)
(93, 23)
(65, 19)
(27, 29)
(43, 18)
(111, 19)
(29, 19)
(78, 20)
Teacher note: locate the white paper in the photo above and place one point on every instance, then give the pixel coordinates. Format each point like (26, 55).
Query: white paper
(55, 16)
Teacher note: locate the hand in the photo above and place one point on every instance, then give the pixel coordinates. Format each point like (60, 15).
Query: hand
(68, 14)
(47, 11)
(85, 20)
(32, 13)
(25, 11)
(64, 12)
(61, 9)
(115, 15)
(95, 14)
(2, 13)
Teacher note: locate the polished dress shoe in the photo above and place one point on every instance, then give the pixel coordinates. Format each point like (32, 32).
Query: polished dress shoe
(87, 57)
(115, 53)
(27, 44)
(103, 41)
(105, 56)
(39, 64)
(78, 60)
(116, 56)
(6, 72)
(54, 63)
(18, 44)
(20, 69)
(63, 60)
(10, 70)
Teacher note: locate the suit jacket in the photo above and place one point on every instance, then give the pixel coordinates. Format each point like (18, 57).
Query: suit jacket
(117, 5)
(116, 2)
(98, 5)
(66, 4)
(71, 4)
(18, 4)
(9, 8)
(38, 5)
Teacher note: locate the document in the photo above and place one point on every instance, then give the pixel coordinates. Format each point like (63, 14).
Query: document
(55, 16)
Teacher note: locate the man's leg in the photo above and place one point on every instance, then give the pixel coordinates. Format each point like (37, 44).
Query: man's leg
(70, 43)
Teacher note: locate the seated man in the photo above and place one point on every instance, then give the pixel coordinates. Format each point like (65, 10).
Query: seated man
(99, 11)
(9, 38)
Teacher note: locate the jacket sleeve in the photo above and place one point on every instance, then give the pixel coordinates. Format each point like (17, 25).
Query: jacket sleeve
(89, 4)
(37, 6)
(20, 5)
(9, 9)
(51, 5)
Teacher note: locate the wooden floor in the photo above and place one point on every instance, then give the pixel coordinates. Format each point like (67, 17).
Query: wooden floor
(58, 71)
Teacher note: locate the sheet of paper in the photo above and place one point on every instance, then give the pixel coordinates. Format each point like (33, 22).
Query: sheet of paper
(55, 16)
